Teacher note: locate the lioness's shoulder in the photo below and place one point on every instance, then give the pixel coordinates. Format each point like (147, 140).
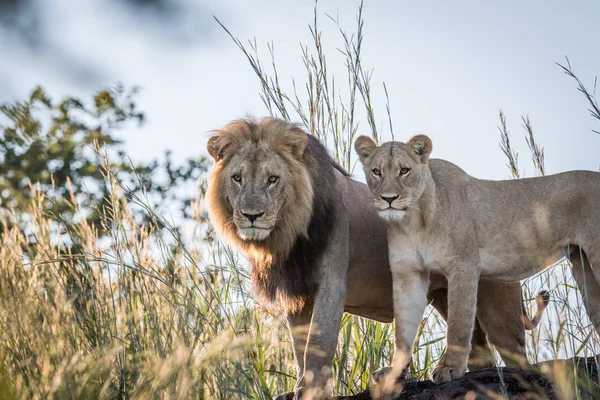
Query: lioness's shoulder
(444, 172)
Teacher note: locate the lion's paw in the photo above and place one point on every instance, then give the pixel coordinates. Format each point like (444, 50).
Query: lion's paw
(447, 370)
(284, 396)
(296, 395)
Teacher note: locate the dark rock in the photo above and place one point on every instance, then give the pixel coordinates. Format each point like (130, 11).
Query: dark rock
(555, 379)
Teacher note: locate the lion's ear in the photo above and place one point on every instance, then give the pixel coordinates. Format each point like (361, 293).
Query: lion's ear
(296, 141)
(364, 147)
(219, 145)
(421, 145)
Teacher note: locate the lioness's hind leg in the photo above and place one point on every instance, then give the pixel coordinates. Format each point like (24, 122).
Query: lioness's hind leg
(588, 281)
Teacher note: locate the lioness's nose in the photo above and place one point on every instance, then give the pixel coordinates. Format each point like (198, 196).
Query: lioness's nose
(389, 199)
(252, 217)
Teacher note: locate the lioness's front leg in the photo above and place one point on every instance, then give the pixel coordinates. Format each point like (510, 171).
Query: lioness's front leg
(462, 304)
(410, 299)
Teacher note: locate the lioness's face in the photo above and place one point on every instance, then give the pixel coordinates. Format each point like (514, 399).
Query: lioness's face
(394, 173)
(257, 182)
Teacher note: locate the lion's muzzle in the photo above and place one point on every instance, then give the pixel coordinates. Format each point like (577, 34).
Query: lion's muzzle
(253, 216)
(253, 225)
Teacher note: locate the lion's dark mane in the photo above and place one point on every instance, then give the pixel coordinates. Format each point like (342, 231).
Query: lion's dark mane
(293, 282)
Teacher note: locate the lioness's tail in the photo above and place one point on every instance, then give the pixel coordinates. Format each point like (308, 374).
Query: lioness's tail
(541, 300)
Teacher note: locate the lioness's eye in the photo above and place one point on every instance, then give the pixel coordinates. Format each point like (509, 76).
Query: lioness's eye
(376, 172)
(404, 171)
(273, 179)
(237, 178)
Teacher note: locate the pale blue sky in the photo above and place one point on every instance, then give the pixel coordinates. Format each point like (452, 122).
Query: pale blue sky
(449, 67)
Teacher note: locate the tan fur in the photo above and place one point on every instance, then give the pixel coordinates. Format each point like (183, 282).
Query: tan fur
(441, 220)
(350, 271)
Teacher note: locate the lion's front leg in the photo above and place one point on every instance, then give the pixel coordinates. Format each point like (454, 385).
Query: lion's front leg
(299, 325)
(327, 311)
(462, 304)
(314, 337)
(322, 339)
(410, 299)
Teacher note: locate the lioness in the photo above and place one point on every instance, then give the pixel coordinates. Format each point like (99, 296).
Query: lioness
(317, 246)
(442, 220)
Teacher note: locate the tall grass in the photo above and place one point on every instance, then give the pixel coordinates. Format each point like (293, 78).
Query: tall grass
(154, 313)
(140, 314)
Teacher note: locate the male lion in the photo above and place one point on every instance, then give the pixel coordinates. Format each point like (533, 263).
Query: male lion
(442, 220)
(317, 246)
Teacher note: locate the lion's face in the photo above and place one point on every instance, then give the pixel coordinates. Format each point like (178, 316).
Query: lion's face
(394, 173)
(259, 183)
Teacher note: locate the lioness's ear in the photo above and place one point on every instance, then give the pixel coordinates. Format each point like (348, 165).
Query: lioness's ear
(296, 141)
(219, 145)
(421, 146)
(364, 147)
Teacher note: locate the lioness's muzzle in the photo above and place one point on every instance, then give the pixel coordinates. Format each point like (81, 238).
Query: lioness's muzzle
(389, 199)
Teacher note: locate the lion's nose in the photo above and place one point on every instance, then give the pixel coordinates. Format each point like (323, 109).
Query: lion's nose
(389, 199)
(252, 217)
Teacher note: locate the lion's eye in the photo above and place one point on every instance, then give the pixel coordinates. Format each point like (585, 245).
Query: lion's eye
(376, 172)
(237, 178)
(404, 171)
(273, 179)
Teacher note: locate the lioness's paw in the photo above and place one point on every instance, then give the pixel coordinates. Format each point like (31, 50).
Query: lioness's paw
(447, 370)
(379, 374)
(384, 384)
